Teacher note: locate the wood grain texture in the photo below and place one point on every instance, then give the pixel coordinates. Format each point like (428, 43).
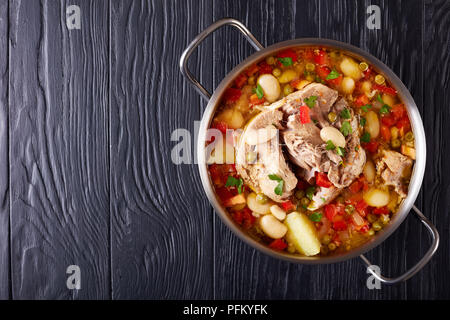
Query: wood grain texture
(59, 150)
(161, 228)
(4, 155)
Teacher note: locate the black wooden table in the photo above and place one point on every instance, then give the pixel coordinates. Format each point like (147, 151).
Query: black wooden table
(86, 177)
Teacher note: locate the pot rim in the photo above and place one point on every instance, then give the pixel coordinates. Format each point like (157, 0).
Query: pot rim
(416, 124)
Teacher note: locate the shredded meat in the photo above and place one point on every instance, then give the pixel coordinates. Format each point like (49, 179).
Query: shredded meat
(393, 168)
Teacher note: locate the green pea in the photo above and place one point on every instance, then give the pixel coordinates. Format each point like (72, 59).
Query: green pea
(332, 246)
(409, 136)
(371, 232)
(395, 143)
(324, 250)
(326, 239)
(287, 89)
(310, 67)
(349, 209)
(372, 218)
(377, 226)
(384, 219)
(276, 72)
(332, 116)
(270, 60)
(304, 201)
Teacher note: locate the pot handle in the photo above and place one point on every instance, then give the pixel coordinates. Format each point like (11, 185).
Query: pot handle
(200, 37)
(422, 262)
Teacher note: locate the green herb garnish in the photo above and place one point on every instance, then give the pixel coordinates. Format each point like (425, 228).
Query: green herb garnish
(333, 75)
(279, 188)
(365, 137)
(346, 128)
(315, 216)
(362, 122)
(330, 145)
(340, 151)
(310, 101)
(345, 114)
(366, 107)
(259, 92)
(286, 61)
(234, 182)
(385, 109)
(379, 98)
(310, 192)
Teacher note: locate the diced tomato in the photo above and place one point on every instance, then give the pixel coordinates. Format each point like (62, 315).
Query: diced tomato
(229, 168)
(330, 211)
(288, 53)
(336, 81)
(308, 54)
(322, 180)
(287, 205)
(385, 133)
(248, 218)
(221, 126)
(361, 207)
(364, 228)
(321, 58)
(232, 95)
(371, 146)
(361, 100)
(264, 68)
(398, 111)
(302, 185)
(252, 70)
(340, 209)
(278, 244)
(382, 210)
(367, 73)
(304, 114)
(388, 120)
(404, 124)
(323, 72)
(240, 81)
(254, 100)
(340, 225)
(224, 193)
(355, 187)
(385, 89)
(215, 174)
(363, 181)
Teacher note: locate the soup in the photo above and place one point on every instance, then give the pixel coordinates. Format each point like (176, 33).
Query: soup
(311, 151)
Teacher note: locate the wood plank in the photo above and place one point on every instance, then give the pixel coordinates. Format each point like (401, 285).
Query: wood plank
(241, 272)
(436, 117)
(4, 156)
(398, 45)
(161, 227)
(59, 150)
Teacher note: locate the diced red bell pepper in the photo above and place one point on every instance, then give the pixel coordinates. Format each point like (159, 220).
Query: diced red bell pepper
(364, 228)
(322, 180)
(367, 73)
(252, 70)
(221, 126)
(224, 193)
(232, 95)
(330, 211)
(382, 210)
(287, 205)
(308, 54)
(361, 100)
(388, 120)
(323, 72)
(336, 81)
(302, 185)
(278, 244)
(371, 146)
(363, 181)
(249, 219)
(385, 133)
(340, 225)
(254, 100)
(385, 89)
(398, 111)
(264, 68)
(288, 53)
(321, 58)
(304, 114)
(355, 186)
(240, 81)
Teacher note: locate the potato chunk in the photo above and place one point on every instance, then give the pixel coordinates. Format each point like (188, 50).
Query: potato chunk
(302, 234)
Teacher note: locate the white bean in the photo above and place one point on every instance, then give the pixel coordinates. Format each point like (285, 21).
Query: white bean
(277, 212)
(270, 87)
(348, 85)
(373, 124)
(333, 134)
(272, 227)
(254, 137)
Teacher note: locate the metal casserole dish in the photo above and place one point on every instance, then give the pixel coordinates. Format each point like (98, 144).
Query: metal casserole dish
(413, 113)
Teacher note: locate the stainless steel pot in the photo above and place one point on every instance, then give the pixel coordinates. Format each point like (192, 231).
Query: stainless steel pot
(417, 127)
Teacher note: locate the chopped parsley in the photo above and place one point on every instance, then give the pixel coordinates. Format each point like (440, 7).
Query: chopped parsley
(286, 61)
(330, 145)
(345, 114)
(340, 151)
(365, 137)
(362, 121)
(346, 128)
(279, 188)
(259, 91)
(234, 182)
(366, 107)
(333, 75)
(310, 101)
(310, 192)
(315, 216)
(379, 98)
(385, 109)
